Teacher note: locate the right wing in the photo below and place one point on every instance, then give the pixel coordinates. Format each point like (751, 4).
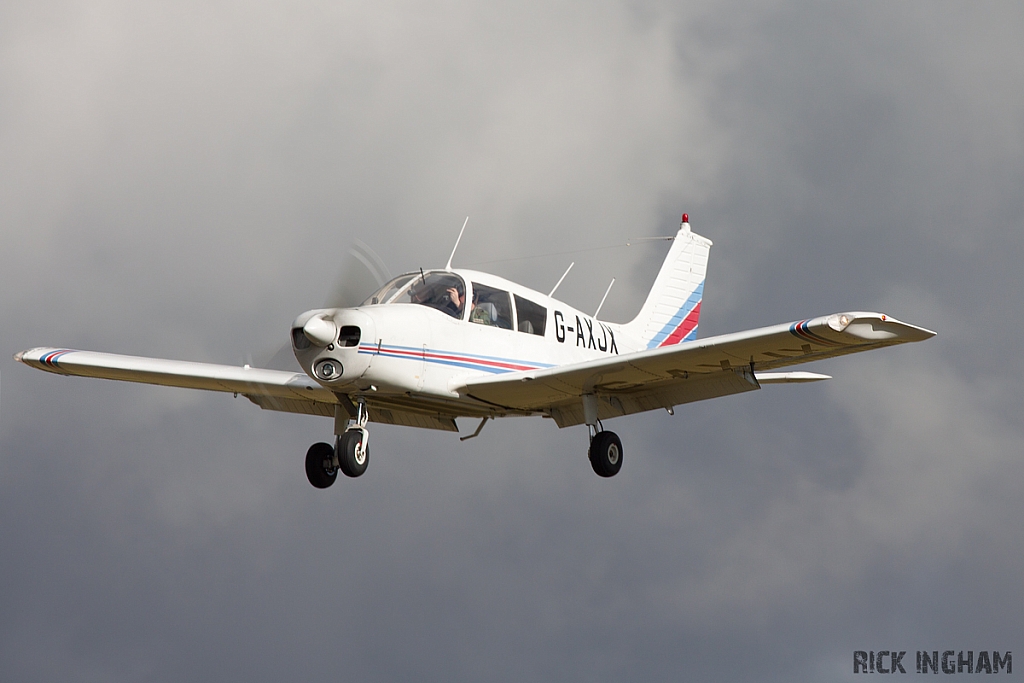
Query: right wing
(290, 392)
(254, 383)
(691, 371)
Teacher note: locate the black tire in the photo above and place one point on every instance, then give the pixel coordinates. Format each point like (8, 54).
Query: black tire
(320, 468)
(350, 464)
(606, 454)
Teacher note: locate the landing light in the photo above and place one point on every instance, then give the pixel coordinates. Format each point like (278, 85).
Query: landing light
(328, 369)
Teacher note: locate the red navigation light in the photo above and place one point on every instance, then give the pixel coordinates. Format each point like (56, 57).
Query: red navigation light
(686, 218)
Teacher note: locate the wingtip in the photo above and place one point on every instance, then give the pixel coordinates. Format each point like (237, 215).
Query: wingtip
(916, 333)
(20, 356)
(869, 325)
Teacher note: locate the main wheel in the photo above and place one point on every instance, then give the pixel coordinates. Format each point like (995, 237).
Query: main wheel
(606, 454)
(353, 454)
(320, 469)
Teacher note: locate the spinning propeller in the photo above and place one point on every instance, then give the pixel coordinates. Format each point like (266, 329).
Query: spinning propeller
(362, 273)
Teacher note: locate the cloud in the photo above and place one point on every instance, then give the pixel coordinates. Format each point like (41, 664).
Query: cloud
(181, 181)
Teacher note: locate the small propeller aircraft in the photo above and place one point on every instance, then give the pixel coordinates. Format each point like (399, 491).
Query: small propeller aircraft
(429, 347)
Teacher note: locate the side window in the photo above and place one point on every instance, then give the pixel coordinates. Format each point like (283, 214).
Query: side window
(490, 306)
(531, 317)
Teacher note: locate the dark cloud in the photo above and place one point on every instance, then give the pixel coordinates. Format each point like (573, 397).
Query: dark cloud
(181, 180)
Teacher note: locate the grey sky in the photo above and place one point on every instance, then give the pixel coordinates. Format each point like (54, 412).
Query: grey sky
(182, 179)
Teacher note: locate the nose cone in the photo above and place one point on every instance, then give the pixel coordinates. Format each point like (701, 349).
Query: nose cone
(320, 331)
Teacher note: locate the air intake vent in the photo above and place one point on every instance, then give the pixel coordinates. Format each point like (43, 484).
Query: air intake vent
(349, 336)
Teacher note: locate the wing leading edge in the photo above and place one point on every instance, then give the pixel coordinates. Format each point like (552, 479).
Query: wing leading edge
(692, 371)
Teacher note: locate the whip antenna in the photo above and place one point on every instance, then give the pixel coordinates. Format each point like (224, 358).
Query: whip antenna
(552, 292)
(449, 266)
(603, 298)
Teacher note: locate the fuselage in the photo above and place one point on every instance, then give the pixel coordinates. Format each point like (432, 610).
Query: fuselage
(428, 333)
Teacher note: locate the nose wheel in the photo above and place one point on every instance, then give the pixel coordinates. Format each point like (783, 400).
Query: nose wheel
(605, 454)
(353, 452)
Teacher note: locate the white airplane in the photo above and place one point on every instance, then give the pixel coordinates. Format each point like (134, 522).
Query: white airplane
(432, 346)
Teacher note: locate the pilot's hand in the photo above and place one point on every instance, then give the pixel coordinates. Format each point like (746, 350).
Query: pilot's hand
(453, 296)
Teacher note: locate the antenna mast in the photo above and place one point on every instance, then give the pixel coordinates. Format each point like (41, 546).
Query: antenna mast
(603, 298)
(448, 267)
(552, 292)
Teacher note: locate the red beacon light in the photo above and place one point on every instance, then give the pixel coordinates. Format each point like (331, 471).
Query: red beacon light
(686, 218)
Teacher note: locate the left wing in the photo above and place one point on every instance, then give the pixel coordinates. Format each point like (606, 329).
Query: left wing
(691, 371)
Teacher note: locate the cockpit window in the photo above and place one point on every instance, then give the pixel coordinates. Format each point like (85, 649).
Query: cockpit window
(444, 291)
(384, 294)
(490, 307)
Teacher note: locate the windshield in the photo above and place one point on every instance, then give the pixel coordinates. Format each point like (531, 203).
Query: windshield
(444, 291)
(384, 294)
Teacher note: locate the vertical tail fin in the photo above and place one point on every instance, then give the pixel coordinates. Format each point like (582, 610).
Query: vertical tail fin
(672, 309)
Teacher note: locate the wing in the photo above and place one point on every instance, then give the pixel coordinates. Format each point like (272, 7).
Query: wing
(291, 392)
(691, 371)
(268, 386)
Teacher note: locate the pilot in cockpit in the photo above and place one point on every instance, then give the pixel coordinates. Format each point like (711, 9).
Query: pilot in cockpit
(457, 301)
(437, 290)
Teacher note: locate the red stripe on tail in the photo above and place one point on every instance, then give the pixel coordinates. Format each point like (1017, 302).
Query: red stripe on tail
(687, 326)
